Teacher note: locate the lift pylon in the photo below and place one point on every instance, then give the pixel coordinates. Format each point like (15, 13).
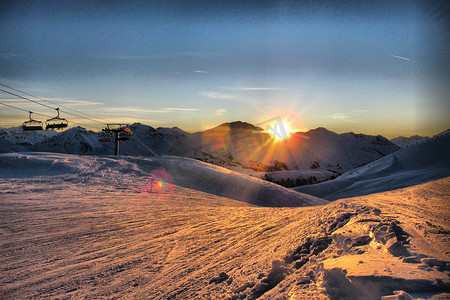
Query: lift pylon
(121, 133)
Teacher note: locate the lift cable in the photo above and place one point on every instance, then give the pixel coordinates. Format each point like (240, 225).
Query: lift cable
(36, 113)
(25, 98)
(34, 101)
(25, 110)
(48, 101)
(145, 146)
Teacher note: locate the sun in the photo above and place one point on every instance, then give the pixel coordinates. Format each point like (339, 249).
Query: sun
(279, 131)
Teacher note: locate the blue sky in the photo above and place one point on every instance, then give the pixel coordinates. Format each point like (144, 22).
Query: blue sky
(374, 67)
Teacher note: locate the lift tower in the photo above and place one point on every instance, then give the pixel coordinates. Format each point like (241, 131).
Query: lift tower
(121, 133)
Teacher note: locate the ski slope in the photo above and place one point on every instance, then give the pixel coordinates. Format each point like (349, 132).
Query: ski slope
(413, 165)
(136, 173)
(98, 227)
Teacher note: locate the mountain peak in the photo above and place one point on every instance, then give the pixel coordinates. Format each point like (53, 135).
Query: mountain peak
(321, 130)
(240, 125)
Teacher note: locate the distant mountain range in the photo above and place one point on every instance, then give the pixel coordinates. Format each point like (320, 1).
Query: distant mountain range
(416, 164)
(235, 144)
(404, 142)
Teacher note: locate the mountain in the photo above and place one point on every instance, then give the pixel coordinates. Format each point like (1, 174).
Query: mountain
(238, 144)
(15, 139)
(429, 160)
(318, 149)
(404, 142)
(75, 140)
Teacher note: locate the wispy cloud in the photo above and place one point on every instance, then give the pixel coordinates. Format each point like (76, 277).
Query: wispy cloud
(201, 72)
(134, 57)
(10, 56)
(201, 54)
(253, 88)
(218, 96)
(400, 57)
(139, 110)
(340, 116)
(181, 109)
(54, 101)
(348, 115)
(73, 102)
(221, 111)
(152, 56)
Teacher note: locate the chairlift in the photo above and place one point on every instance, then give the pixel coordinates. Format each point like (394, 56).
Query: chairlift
(32, 124)
(125, 134)
(105, 137)
(56, 122)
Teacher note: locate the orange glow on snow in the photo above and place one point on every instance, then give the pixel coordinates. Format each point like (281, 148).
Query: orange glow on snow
(160, 182)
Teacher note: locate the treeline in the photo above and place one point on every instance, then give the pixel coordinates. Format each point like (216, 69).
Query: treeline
(299, 181)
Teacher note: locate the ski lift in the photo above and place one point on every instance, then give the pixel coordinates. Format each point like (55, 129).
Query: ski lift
(104, 137)
(32, 124)
(56, 122)
(125, 134)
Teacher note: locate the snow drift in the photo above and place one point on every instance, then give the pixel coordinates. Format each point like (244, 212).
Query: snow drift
(136, 172)
(416, 164)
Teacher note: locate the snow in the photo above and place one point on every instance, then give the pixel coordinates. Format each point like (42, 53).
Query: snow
(230, 144)
(404, 142)
(90, 227)
(181, 171)
(167, 227)
(416, 164)
(318, 149)
(18, 135)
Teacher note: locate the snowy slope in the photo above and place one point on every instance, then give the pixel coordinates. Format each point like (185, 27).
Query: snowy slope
(92, 233)
(416, 164)
(137, 173)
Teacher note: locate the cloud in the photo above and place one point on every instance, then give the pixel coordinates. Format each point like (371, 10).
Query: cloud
(72, 101)
(133, 57)
(254, 88)
(348, 115)
(218, 96)
(221, 111)
(181, 109)
(340, 116)
(10, 56)
(200, 72)
(400, 57)
(53, 101)
(139, 110)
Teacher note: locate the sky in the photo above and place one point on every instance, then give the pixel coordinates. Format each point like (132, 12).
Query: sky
(375, 67)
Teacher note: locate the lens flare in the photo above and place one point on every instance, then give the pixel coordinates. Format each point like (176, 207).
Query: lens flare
(159, 181)
(279, 130)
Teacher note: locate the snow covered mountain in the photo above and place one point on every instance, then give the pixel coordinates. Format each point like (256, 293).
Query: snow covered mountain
(230, 144)
(415, 164)
(16, 139)
(318, 149)
(404, 142)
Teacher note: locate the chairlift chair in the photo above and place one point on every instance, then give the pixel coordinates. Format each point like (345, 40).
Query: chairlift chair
(104, 137)
(32, 124)
(125, 134)
(56, 122)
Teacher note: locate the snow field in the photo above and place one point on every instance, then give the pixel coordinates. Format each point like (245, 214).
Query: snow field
(90, 227)
(413, 165)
